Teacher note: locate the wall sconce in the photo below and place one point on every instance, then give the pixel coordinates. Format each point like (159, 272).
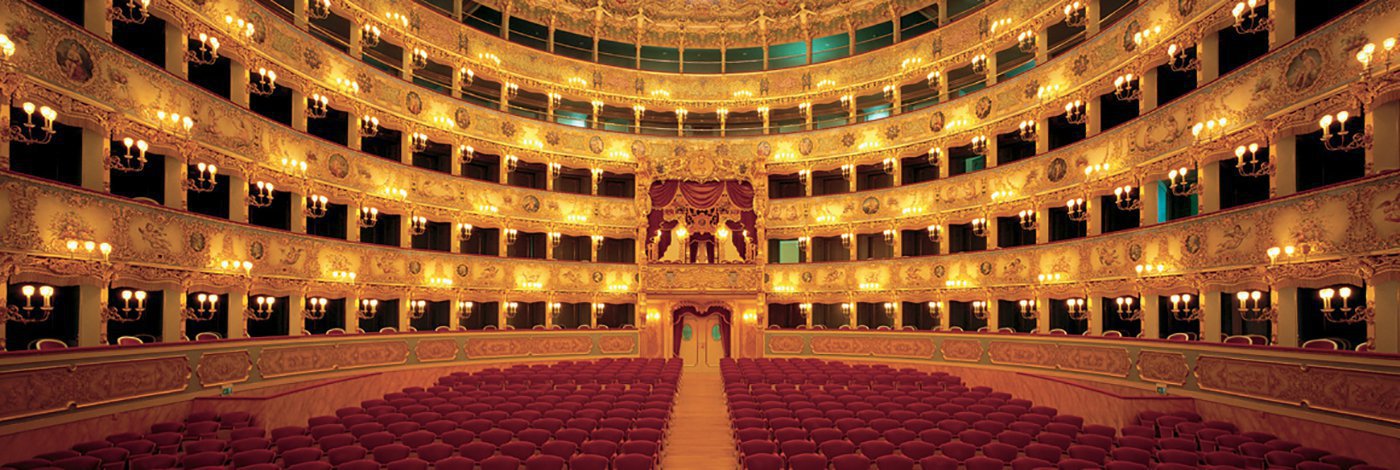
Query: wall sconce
(803, 242)
(1252, 307)
(418, 142)
(1077, 308)
(554, 169)
(128, 162)
(131, 11)
(979, 64)
(369, 216)
(418, 225)
(1074, 113)
(315, 308)
(206, 53)
(1247, 162)
(888, 164)
(369, 126)
(1076, 14)
(316, 206)
(7, 48)
(417, 308)
(935, 309)
(848, 171)
(1125, 198)
(1248, 20)
(1095, 169)
(261, 308)
(512, 163)
(318, 105)
(1182, 309)
(369, 36)
(262, 195)
(468, 76)
(343, 276)
(846, 239)
(239, 26)
(1342, 140)
(1141, 38)
(934, 78)
(368, 309)
(467, 152)
(512, 308)
(1029, 309)
(347, 86)
(1029, 220)
(318, 9)
(1027, 130)
(1344, 313)
(29, 313)
(1077, 210)
(846, 308)
(889, 234)
(206, 306)
(555, 238)
(234, 266)
(30, 133)
(1150, 269)
(1179, 61)
(935, 233)
(204, 180)
(419, 59)
(979, 145)
(1026, 41)
(980, 309)
(512, 90)
(1289, 251)
(464, 309)
(1127, 87)
(127, 312)
(464, 231)
(979, 227)
(511, 236)
(265, 83)
(1181, 182)
(1209, 130)
(1127, 310)
(1367, 55)
(294, 167)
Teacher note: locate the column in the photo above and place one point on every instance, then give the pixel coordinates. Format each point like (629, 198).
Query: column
(1094, 111)
(1042, 232)
(1093, 13)
(298, 202)
(406, 63)
(942, 13)
(406, 146)
(1042, 46)
(992, 148)
(352, 131)
(402, 313)
(944, 245)
(237, 198)
(457, 9)
(1208, 176)
(238, 80)
(456, 164)
(548, 247)
(454, 321)
(1285, 302)
(1283, 12)
(175, 195)
(299, 13)
(1212, 314)
(991, 68)
(1097, 310)
(405, 230)
(993, 314)
(352, 318)
(1042, 322)
(95, 18)
(1042, 135)
(96, 148)
(1151, 316)
(898, 314)
(505, 96)
(176, 43)
(237, 301)
(1386, 295)
(1208, 51)
(1148, 84)
(91, 298)
(1384, 154)
(299, 109)
(501, 246)
(172, 321)
(1284, 155)
(1095, 207)
(352, 224)
(296, 314)
(1148, 193)
(944, 320)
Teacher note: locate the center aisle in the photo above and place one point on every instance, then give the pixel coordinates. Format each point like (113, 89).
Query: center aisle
(700, 436)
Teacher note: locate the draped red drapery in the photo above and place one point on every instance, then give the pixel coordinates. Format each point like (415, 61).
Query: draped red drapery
(697, 195)
(678, 324)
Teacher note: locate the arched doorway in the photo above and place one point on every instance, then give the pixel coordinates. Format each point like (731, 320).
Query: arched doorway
(701, 336)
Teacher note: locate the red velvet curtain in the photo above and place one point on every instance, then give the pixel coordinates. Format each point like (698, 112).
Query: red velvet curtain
(679, 324)
(698, 195)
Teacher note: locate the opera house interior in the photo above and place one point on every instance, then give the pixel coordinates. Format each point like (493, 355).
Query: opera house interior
(700, 234)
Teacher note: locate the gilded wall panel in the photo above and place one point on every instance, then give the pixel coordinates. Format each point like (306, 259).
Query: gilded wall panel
(962, 350)
(434, 350)
(785, 344)
(221, 368)
(617, 344)
(1165, 367)
(1032, 354)
(293, 360)
(1362, 393)
(1111, 361)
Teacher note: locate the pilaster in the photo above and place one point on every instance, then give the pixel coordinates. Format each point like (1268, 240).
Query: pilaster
(1285, 302)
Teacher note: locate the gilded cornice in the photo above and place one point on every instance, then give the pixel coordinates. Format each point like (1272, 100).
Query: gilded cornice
(158, 246)
(1221, 250)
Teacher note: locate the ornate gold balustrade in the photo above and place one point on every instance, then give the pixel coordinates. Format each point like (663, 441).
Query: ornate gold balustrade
(1223, 249)
(1363, 387)
(159, 246)
(52, 382)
